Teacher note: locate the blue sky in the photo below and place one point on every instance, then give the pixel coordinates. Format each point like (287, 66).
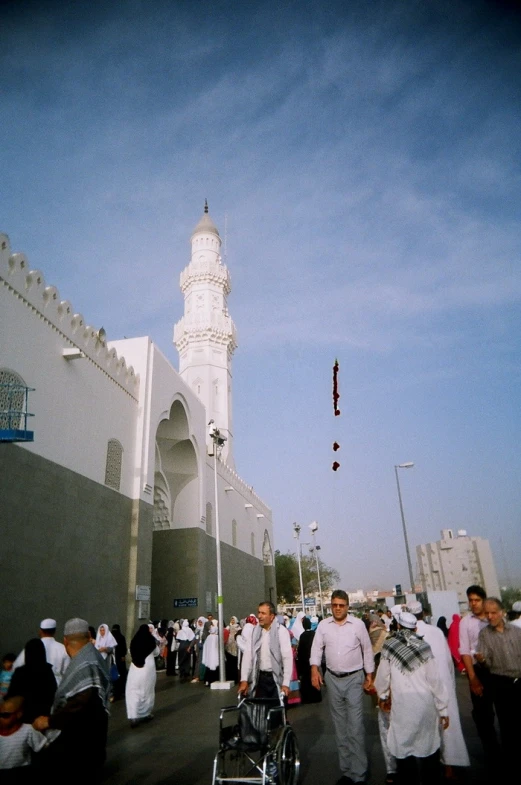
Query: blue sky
(366, 156)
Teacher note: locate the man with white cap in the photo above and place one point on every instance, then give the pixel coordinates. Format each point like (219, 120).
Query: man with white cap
(453, 748)
(516, 613)
(409, 686)
(54, 650)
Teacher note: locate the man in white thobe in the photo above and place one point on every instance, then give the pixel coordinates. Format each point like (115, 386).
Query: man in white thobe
(409, 685)
(453, 748)
(54, 650)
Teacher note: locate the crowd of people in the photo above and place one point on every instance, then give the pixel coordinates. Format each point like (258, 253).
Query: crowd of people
(55, 698)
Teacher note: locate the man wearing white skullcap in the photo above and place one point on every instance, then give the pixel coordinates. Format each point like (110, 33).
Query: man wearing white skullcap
(409, 686)
(453, 748)
(516, 614)
(54, 650)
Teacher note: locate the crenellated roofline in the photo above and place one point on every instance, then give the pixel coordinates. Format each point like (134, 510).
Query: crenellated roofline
(80, 339)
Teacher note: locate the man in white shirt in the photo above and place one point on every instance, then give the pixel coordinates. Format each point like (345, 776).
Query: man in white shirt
(54, 650)
(267, 662)
(408, 684)
(349, 671)
(479, 677)
(516, 614)
(453, 748)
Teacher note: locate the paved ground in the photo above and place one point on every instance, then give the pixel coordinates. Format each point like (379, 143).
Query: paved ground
(178, 746)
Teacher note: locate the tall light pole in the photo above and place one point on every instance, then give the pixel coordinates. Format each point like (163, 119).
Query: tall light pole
(296, 534)
(408, 465)
(218, 440)
(314, 528)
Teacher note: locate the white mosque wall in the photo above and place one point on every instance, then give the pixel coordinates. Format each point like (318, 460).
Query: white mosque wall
(78, 404)
(161, 387)
(238, 502)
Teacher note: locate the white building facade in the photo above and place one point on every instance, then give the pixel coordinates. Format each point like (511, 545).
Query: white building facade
(454, 563)
(109, 513)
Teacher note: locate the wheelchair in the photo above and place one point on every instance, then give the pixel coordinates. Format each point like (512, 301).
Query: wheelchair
(256, 745)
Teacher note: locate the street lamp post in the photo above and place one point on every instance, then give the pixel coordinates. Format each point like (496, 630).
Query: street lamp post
(218, 440)
(296, 534)
(314, 527)
(408, 465)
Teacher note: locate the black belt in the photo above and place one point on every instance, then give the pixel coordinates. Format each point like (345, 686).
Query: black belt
(266, 673)
(342, 675)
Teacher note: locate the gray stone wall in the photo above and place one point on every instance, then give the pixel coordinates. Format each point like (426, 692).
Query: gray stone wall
(65, 545)
(184, 565)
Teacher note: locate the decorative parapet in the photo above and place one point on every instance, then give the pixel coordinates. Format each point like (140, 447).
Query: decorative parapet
(203, 327)
(203, 271)
(90, 343)
(227, 473)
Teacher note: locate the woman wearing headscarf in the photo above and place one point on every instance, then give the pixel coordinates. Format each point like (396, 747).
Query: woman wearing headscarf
(231, 651)
(442, 624)
(199, 669)
(185, 638)
(34, 681)
(296, 629)
(160, 643)
(308, 693)
(171, 653)
(211, 655)
(244, 637)
(141, 681)
(105, 642)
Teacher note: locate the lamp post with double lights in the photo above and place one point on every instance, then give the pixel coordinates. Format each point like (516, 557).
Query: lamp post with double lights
(314, 528)
(218, 440)
(408, 465)
(296, 534)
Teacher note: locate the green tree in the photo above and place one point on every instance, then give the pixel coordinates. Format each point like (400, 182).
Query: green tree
(286, 570)
(288, 580)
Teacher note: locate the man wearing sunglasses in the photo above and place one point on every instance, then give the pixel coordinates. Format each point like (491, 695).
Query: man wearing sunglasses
(349, 671)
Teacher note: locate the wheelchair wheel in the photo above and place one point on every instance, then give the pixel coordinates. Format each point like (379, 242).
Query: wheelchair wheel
(287, 757)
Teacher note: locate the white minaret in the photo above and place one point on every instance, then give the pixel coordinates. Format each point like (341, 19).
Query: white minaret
(205, 337)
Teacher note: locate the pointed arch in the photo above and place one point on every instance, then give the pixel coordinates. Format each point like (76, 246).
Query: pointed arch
(267, 552)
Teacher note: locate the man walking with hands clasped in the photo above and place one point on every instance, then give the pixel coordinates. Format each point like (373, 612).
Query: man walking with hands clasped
(349, 671)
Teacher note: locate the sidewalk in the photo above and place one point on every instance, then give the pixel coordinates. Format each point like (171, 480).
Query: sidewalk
(179, 745)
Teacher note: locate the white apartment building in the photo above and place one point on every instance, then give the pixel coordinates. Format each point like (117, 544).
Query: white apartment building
(455, 562)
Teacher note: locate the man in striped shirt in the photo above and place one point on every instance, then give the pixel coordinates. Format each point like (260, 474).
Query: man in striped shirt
(499, 649)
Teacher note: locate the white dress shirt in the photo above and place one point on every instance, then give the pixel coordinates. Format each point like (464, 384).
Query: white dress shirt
(469, 629)
(55, 654)
(347, 646)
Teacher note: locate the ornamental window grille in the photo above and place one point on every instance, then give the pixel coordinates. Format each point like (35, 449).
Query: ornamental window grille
(209, 527)
(12, 400)
(113, 465)
(234, 533)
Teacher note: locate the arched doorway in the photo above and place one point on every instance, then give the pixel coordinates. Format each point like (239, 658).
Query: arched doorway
(176, 509)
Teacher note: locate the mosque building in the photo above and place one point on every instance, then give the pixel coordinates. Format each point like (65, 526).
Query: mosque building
(107, 466)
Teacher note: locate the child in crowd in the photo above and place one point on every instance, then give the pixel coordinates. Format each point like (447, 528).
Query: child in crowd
(18, 742)
(6, 673)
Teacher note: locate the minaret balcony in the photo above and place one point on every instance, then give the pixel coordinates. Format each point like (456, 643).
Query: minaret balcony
(199, 327)
(205, 271)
